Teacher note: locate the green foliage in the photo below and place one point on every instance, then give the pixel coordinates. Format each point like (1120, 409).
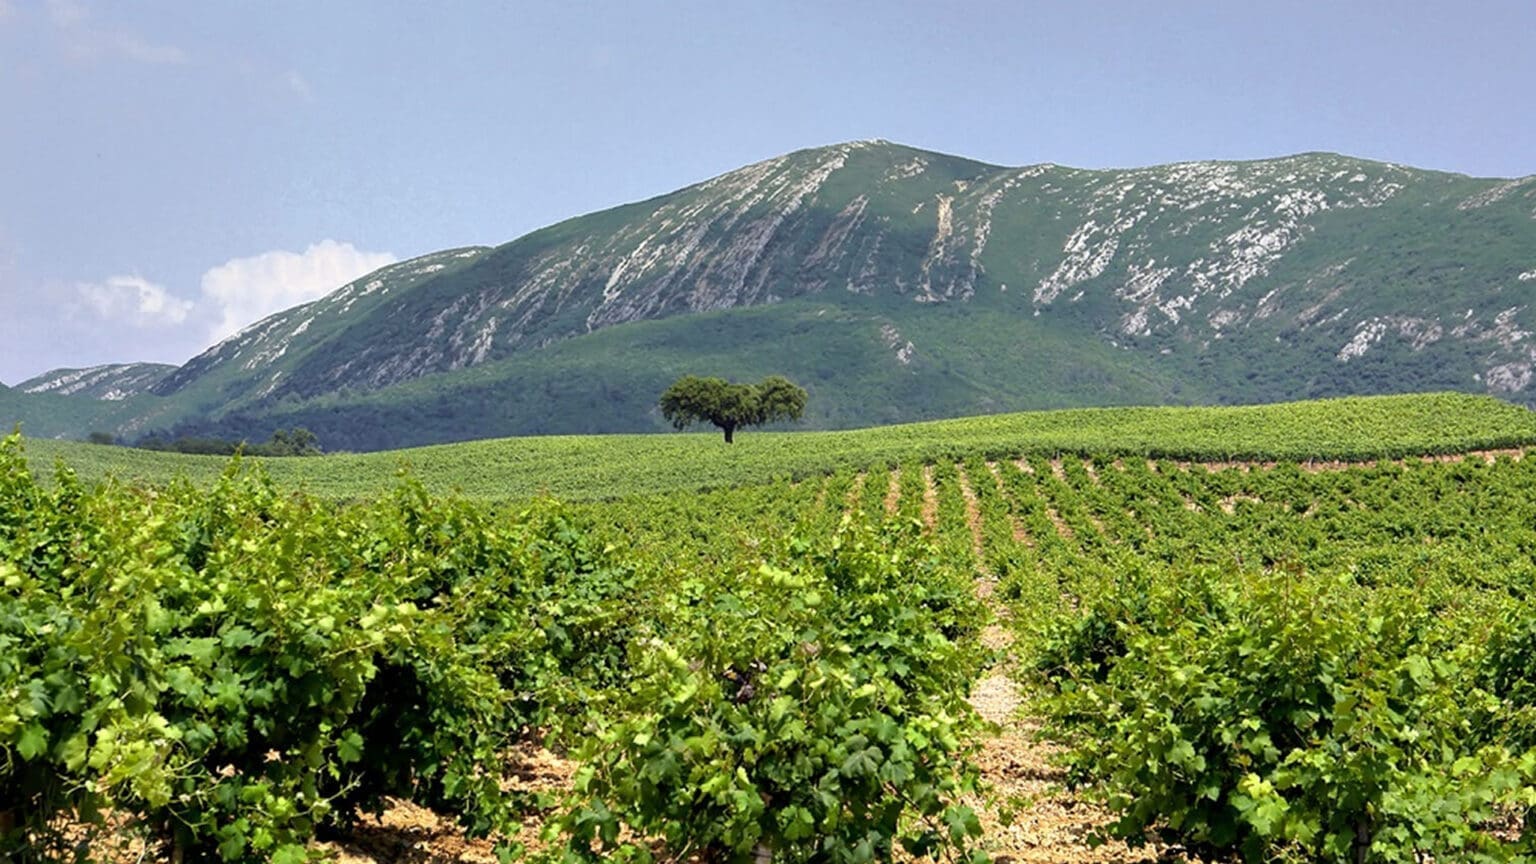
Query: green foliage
(693, 399)
(288, 442)
(831, 730)
(1267, 714)
(228, 671)
(1288, 666)
(778, 399)
(231, 669)
(284, 442)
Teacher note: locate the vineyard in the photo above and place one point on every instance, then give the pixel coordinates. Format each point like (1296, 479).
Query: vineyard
(1317, 661)
(1229, 648)
(581, 467)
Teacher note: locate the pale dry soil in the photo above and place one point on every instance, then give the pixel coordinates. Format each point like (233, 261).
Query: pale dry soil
(406, 833)
(893, 492)
(930, 500)
(1049, 823)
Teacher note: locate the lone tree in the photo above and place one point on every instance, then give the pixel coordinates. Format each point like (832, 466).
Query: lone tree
(730, 406)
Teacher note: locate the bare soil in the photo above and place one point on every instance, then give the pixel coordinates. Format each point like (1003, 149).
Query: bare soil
(930, 500)
(1045, 823)
(1059, 471)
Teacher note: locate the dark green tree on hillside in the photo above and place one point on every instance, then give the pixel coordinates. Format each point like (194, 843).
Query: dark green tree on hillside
(693, 399)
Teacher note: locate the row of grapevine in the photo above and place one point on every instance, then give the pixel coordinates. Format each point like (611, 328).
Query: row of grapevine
(1271, 662)
(224, 672)
(1280, 664)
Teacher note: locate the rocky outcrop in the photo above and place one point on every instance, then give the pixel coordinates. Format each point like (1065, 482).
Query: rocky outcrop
(112, 382)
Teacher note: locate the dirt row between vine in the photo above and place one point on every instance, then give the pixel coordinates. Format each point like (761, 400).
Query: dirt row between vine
(973, 523)
(407, 833)
(855, 489)
(1016, 528)
(893, 492)
(930, 500)
(1049, 824)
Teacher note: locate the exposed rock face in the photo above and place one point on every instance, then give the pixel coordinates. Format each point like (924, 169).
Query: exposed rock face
(112, 382)
(253, 363)
(1322, 258)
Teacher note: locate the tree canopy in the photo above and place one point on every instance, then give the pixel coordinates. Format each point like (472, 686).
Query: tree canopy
(692, 399)
(298, 442)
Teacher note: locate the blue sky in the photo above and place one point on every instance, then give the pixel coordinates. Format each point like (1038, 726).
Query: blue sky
(172, 171)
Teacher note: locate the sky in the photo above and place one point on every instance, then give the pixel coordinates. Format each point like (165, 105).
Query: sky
(173, 171)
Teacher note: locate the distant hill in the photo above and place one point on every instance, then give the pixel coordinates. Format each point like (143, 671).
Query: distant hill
(898, 284)
(112, 382)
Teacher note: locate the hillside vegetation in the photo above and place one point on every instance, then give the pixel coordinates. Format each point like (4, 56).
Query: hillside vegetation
(896, 285)
(608, 466)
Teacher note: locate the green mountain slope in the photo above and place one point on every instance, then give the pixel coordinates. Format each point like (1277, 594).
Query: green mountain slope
(859, 360)
(899, 284)
(51, 415)
(253, 364)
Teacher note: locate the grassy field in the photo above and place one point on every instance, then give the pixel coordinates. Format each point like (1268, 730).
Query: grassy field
(612, 466)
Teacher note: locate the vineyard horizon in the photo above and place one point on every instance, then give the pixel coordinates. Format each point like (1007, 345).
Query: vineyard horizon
(596, 467)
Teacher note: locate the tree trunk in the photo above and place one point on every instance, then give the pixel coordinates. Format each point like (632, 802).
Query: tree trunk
(1362, 844)
(730, 432)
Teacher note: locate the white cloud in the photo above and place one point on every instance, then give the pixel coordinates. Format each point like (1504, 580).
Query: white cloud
(245, 290)
(135, 301)
(234, 295)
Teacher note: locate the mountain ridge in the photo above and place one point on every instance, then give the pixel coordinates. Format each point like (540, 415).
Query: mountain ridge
(108, 381)
(1233, 280)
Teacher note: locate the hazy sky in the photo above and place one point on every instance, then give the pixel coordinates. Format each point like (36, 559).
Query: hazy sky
(170, 172)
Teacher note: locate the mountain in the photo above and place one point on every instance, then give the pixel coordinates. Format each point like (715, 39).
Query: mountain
(259, 362)
(900, 284)
(112, 382)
